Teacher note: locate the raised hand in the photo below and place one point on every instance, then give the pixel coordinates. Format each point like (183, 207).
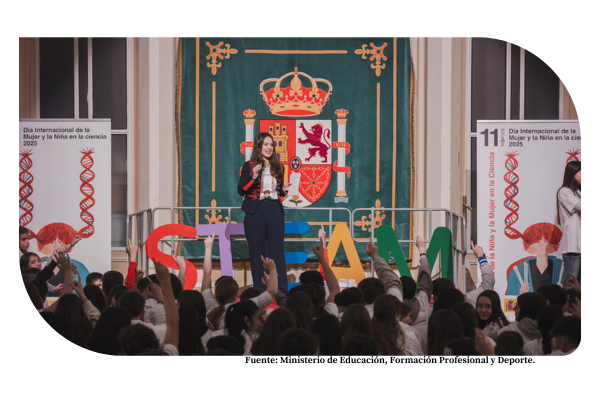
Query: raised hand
(320, 253)
(132, 250)
(420, 243)
(155, 291)
(76, 285)
(322, 237)
(483, 346)
(573, 283)
(268, 263)
(372, 249)
(478, 250)
(62, 261)
(575, 308)
(180, 261)
(208, 240)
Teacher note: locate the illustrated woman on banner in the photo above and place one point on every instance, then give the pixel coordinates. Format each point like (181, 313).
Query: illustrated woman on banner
(58, 236)
(539, 240)
(568, 216)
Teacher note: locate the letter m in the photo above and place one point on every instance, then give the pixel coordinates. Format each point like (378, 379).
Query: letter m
(441, 243)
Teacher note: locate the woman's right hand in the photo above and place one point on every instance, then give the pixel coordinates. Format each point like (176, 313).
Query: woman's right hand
(256, 170)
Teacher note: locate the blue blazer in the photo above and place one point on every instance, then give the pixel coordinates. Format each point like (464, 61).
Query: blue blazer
(250, 189)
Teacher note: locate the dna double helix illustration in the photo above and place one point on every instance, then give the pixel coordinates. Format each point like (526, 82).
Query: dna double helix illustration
(511, 192)
(87, 190)
(26, 189)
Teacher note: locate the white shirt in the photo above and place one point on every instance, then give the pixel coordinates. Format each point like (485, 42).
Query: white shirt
(569, 210)
(269, 183)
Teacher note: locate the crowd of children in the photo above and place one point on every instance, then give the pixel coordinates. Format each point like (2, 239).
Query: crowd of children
(387, 315)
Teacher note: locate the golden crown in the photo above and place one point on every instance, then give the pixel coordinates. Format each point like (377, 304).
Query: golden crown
(295, 100)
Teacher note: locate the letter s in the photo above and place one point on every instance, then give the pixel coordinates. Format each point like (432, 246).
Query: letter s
(153, 253)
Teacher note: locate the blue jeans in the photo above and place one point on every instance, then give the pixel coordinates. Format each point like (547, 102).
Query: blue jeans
(572, 264)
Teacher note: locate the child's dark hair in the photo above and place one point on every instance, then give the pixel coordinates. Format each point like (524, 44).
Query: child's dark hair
(468, 317)
(77, 328)
(299, 342)
(111, 279)
(441, 283)
(554, 294)
(133, 302)
(327, 327)
(235, 318)
(267, 344)
(359, 345)
(509, 344)
(497, 313)
(105, 337)
(409, 287)
(463, 347)
(530, 304)
(34, 295)
(191, 330)
(349, 296)
(226, 343)
(300, 305)
(137, 338)
(24, 261)
(93, 276)
(569, 182)
(386, 330)
(448, 298)
(311, 276)
(23, 230)
(250, 293)
(113, 293)
(194, 299)
(94, 295)
(569, 327)
(371, 287)
(443, 326)
(226, 289)
(546, 319)
(356, 320)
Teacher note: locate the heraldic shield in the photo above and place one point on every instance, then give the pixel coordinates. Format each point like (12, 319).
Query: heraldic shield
(303, 146)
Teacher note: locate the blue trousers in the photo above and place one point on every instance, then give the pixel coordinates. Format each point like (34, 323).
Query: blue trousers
(264, 232)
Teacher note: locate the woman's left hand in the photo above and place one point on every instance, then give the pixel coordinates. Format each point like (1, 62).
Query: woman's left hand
(286, 187)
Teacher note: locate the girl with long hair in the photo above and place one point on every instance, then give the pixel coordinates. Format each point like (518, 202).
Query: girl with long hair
(267, 344)
(386, 329)
(546, 319)
(77, 328)
(489, 312)
(191, 330)
(105, 337)
(568, 217)
(262, 186)
(443, 327)
(243, 321)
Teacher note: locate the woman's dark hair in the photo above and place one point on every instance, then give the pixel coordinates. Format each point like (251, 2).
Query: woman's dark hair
(463, 347)
(300, 305)
(77, 328)
(194, 299)
(530, 304)
(569, 182)
(371, 287)
(356, 320)
(468, 317)
(113, 292)
(257, 157)
(267, 344)
(191, 329)
(24, 261)
(235, 318)
(443, 327)
(299, 342)
(386, 330)
(359, 345)
(448, 298)
(105, 338)
(546, 320)
(327, 327)
(94, 295)
(497, 313)
(137, 338)
(34, 295)
(226, 289)
(509, 344)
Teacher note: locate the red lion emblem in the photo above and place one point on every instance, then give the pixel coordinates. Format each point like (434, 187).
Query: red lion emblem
(314, 139)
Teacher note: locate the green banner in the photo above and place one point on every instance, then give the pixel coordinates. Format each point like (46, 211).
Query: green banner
(339, 110)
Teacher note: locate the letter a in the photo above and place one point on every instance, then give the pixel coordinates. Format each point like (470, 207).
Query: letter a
(341, 234)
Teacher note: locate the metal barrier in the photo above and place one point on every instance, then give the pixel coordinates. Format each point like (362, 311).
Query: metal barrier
(451, 222)
(140, 236)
